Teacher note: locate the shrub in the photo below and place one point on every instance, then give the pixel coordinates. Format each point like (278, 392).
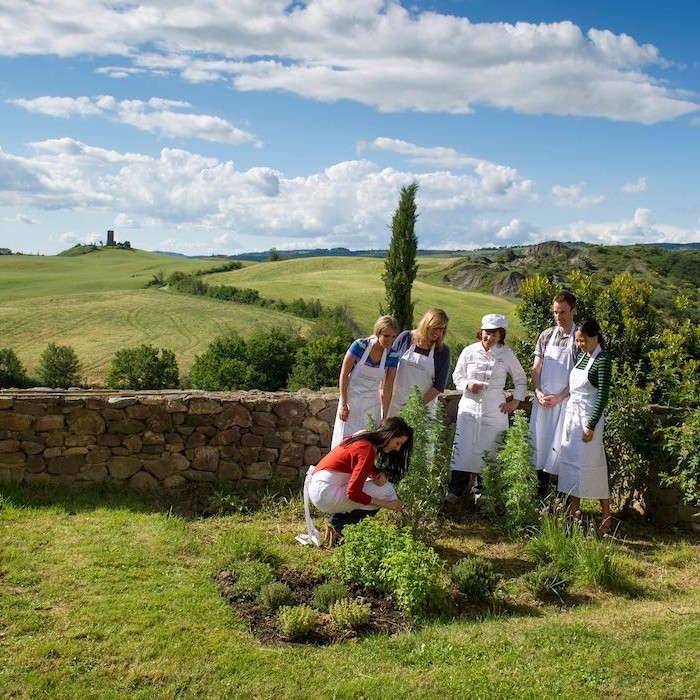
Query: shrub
(683, 442)
(390, 561)
(12, 372)
(251, 576)
(59, 366)
(328, 593)
(270, 355)
(475, 577)
(144, 367)
(296, 622)
(317, 363)
(349, 614)
(273, 596)
(422, 488)
(509, 481)
(223, 366)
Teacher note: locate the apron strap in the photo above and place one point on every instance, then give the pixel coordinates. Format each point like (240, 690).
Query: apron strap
(312, 535)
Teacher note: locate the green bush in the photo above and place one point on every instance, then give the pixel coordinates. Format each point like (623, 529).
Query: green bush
(273, 596)
(144, 367)
(251, 576)
(326, 594)
(475, 577)
(59, 366)
(223, 366)
(317, 363)
(390, 561)
(12, 372)
(509, 481)
(683, 442)
(422, 489)
(349, 614)
(296, 622)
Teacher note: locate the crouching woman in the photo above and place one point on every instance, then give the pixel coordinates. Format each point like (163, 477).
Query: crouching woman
(356, 478)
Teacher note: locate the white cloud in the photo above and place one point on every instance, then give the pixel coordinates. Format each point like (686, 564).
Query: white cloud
(372, 51)
(155, 115)
(573, 197)
(635, 187)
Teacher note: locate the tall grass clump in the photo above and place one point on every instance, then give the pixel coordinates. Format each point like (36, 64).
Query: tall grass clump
(509, 495)
(568, 551)
(422, 489)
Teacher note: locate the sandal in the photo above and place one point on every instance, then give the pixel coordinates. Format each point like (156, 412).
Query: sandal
(332, 538)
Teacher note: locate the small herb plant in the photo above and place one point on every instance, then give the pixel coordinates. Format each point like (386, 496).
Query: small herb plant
(475, 577)
(347, 614)
(326, 594)
(296, 621)
(274, 595)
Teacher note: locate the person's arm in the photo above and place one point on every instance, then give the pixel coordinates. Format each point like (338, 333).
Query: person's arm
(363, 455)
(387, 390)
(516, 371)
(537, 378)
(600, 375)
(344, 383)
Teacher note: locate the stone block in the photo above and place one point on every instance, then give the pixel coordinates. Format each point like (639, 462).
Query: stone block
(151, 438)
(250, 440)
(96, 474)
(85, 422)
(226, 437)
(9, 445)
(65, 465)
(292, 455)
(98, 455)
(290, 411)
(15, 421)
(56, 439)
(231, 453)
(142, 481)
(234, 414)
(126, 427)
(160, 468)
(174, 482)
(205, 459)
(80, 440)
(109, 440)
(133, 443)
(204, 406)
(316, 405)
(50, 422)
(175, 406)
(38, 479)
(123, 467)
(312, 454)
(6, 402)
(51, 452)
(180, 462)
(198, 476)
(73, 451)
(121, 401)
(259, 471)
(32, 448)
(229, 471)
(196, 440)
(35, 464)
(272, 441)
(12, 459)
(138, 411)
(159, 422)
(264, 420)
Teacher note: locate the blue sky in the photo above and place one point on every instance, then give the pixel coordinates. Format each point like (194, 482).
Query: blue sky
(228, 126)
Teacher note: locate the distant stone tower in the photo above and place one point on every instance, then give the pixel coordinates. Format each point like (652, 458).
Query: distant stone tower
(110, 238)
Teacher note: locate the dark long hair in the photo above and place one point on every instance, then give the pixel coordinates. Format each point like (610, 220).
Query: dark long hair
(590, 328)
(394, 464)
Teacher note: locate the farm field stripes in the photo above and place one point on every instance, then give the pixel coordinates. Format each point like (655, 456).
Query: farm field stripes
(97, 325)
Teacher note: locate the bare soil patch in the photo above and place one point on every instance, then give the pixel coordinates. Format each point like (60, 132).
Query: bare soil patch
(384, 617)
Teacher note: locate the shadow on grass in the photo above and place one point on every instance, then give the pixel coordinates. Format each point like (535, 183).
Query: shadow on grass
(190, 503)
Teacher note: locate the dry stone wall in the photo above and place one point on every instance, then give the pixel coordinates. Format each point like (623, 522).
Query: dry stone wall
(163, 440)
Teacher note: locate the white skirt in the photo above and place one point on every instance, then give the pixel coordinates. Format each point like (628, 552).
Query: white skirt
(327, 492)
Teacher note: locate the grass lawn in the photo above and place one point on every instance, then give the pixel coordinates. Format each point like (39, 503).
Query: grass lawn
(107, 594)
(98, 303)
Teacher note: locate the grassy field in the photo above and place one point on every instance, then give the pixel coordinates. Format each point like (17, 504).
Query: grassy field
(111, 595)
(98, 303)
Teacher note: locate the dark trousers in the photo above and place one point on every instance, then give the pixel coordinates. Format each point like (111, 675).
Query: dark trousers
(340, 520)
(545, 482)
(459, 482)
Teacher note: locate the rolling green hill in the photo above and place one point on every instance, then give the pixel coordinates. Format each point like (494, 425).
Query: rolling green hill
(99, 303)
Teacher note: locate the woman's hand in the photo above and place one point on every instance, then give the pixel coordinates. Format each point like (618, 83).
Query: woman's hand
(509, 406)
(380, 478)
(344, 412)
(475, 387)
(587, 435)
(394, 505)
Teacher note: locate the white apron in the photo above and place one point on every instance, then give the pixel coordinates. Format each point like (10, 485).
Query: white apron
(582, 467)
(479, 419)
(363, 397)
(557, 364)
(326, 490)
(414, 370)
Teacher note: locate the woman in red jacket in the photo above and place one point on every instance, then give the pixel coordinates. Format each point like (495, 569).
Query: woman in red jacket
(355, 478)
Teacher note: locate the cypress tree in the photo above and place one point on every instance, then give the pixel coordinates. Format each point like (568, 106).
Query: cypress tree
(400, 264)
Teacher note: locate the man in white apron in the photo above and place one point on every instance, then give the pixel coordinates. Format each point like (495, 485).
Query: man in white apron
(363, 396)
(555, 355)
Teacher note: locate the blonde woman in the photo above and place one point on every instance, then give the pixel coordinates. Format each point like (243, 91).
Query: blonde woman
(424, 361)
(366, 378)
